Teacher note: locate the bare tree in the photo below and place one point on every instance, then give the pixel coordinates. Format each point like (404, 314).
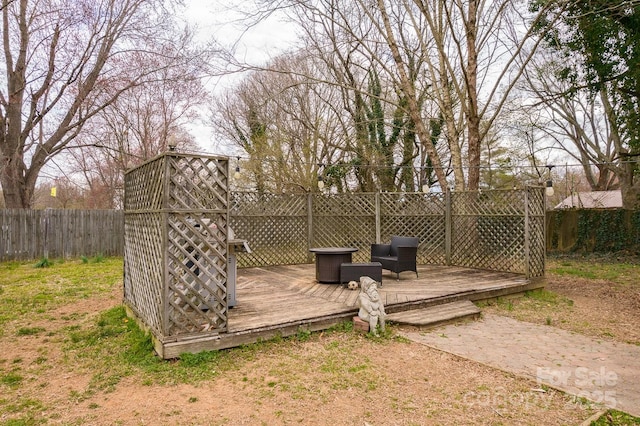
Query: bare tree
(286, 124)
(140, 124)
(582, 123)
(65, 62)
(449, 66)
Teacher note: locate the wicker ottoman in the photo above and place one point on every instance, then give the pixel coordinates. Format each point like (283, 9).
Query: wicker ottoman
(353, 271)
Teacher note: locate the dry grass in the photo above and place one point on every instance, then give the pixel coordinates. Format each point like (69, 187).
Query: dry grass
(81, 362)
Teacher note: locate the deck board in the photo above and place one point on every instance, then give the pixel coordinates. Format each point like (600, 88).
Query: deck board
(279, 300)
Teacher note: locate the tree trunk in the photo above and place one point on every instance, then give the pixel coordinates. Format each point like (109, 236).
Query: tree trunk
(473, 118)
(13, 183)
(409, 91)
(629, 187)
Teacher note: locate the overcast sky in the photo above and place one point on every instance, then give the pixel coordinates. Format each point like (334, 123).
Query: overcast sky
(214, 19)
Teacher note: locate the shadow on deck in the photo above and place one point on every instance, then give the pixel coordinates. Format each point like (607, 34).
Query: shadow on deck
(281, 300)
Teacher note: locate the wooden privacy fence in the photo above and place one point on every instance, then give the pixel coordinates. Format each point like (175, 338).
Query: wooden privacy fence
(496, 230)
(593, 230)
(32, 234)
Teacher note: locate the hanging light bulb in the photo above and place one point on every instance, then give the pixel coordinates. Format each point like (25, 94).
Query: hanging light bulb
(237, 172)
(549, 186)
(549, 191)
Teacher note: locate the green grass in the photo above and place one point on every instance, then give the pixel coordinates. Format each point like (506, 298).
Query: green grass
(43, 263)
(29, 409)
(614, 417)
(29, 331)
(26, 291)
(11, 379)
(112, 347)
(623, 273)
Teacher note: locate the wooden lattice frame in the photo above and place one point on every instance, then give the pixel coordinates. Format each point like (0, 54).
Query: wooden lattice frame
(275, 225)
(417, 215)
(176, 233)
(497, 230)
(344, 220)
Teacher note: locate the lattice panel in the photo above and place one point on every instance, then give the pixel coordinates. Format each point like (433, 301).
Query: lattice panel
(510, 203)
(416, 215)
(144, 186)
(535, 198)
(412, 204)
(345, 220)
(489, 225)
(275, 226)
(276, 240)
(536, 232)
(430, 231)
(197, 274)
(261, 204)
(336, 205)
(143, 280)
(495, 243)
(197, 183)
(346, 231)
(537, 247)
(176, 213)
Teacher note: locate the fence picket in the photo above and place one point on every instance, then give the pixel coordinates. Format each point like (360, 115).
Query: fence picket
(31, 234)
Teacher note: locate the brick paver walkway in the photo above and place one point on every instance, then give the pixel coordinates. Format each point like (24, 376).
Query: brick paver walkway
(599, 370)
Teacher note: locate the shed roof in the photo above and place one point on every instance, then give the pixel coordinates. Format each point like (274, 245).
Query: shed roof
(592, 200)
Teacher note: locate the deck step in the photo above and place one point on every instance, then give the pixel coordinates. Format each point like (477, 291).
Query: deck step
(436, 315)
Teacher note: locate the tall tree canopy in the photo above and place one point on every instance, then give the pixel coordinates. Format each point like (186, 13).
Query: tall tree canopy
(64, 62)
(421, 83)
(600, 40)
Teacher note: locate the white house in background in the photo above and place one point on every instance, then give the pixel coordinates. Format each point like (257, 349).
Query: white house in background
(592, 200)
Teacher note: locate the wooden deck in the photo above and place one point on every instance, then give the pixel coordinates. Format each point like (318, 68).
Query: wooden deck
(281, 300)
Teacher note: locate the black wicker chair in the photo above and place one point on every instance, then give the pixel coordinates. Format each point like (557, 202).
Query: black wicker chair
(398, 256)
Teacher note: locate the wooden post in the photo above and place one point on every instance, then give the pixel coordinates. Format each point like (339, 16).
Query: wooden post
(447, 226)
(164, 234)
(378, 219)
(46, 234)
(309, 227)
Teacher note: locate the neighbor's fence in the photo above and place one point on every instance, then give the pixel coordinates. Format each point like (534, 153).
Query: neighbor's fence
(497, 230)
(32, 234)
(593, 230)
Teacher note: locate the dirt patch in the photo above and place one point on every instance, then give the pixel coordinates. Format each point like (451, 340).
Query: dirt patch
(393, 382)
(597, 308)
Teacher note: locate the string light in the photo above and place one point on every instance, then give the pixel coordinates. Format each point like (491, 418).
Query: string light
(237, 173)
(320, 178)
(549, 191)
(445, 167)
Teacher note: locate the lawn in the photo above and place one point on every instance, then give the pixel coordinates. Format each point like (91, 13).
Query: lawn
(71, 356)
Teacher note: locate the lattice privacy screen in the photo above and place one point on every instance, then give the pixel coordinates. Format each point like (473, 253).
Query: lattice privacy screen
(344, 220)
(488, 230)
(497, 230)
(275, 226)
(176, 228)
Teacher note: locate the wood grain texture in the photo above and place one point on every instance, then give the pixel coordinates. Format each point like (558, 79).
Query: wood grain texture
(281, 300)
